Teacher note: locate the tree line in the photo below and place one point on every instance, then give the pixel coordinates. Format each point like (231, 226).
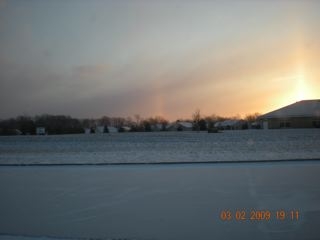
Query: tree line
(61, 124)
(54, 124)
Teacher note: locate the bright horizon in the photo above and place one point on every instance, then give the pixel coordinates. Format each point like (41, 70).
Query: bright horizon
(121, 58)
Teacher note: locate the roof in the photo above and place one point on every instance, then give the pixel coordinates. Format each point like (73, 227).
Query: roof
(304, 108)
(229, 122)
(179, 123)
(170, 125)
(185, 124)
(226, 123)
(126, 128)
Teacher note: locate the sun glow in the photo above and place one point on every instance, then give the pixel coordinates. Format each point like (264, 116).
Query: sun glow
(302, 91)
(305, 88)
(294, 88)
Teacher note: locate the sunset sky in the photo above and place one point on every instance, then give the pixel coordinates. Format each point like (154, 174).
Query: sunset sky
(168, 58)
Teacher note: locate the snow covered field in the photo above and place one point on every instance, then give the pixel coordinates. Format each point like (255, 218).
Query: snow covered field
(162, 147)
(165, 201)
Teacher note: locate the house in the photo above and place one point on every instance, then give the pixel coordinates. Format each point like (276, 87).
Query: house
(40, 130)
(88, 130)
(230, 124)
(18, 132)
(125, 129)
(112, 129)
(180, 126)
(302, 114)
(185, 126)
(254, 125)
(157, 127)
(100, 129)
(105, 129)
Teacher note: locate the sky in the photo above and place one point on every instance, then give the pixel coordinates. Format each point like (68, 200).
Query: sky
(157, 58)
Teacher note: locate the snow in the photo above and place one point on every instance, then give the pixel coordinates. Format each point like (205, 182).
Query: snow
(165, 201)
(185, 124)
(12, 237)
(155, 147)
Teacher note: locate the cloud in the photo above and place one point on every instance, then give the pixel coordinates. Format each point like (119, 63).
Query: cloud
(91, 69)
(25, 87)
(84, 91)
(237, 82)
(3, 4)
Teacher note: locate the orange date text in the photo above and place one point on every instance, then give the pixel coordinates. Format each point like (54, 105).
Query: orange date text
(259, 215)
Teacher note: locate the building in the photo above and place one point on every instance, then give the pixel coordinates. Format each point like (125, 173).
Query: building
(185, 126)
(112, 129)
(157, 127)
(302, 114)
(180, 126)
(40, 131)
(230, 124)
(100, 129)
(105, 129)
(88, 130)
(124, 129)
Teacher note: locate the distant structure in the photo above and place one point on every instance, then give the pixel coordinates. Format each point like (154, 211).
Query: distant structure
(125, 129)
(157, 127)
(180, 126)
(302, 114)
(41, 131)
(100, 129)
(103, 129)
(88, 130)
(230, 125)
(112, 129)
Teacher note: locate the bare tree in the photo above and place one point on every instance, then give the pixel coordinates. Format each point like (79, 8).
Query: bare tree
(138, 119)
(105, 121)
(196, 117)
(236, 117)
(252, 117)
